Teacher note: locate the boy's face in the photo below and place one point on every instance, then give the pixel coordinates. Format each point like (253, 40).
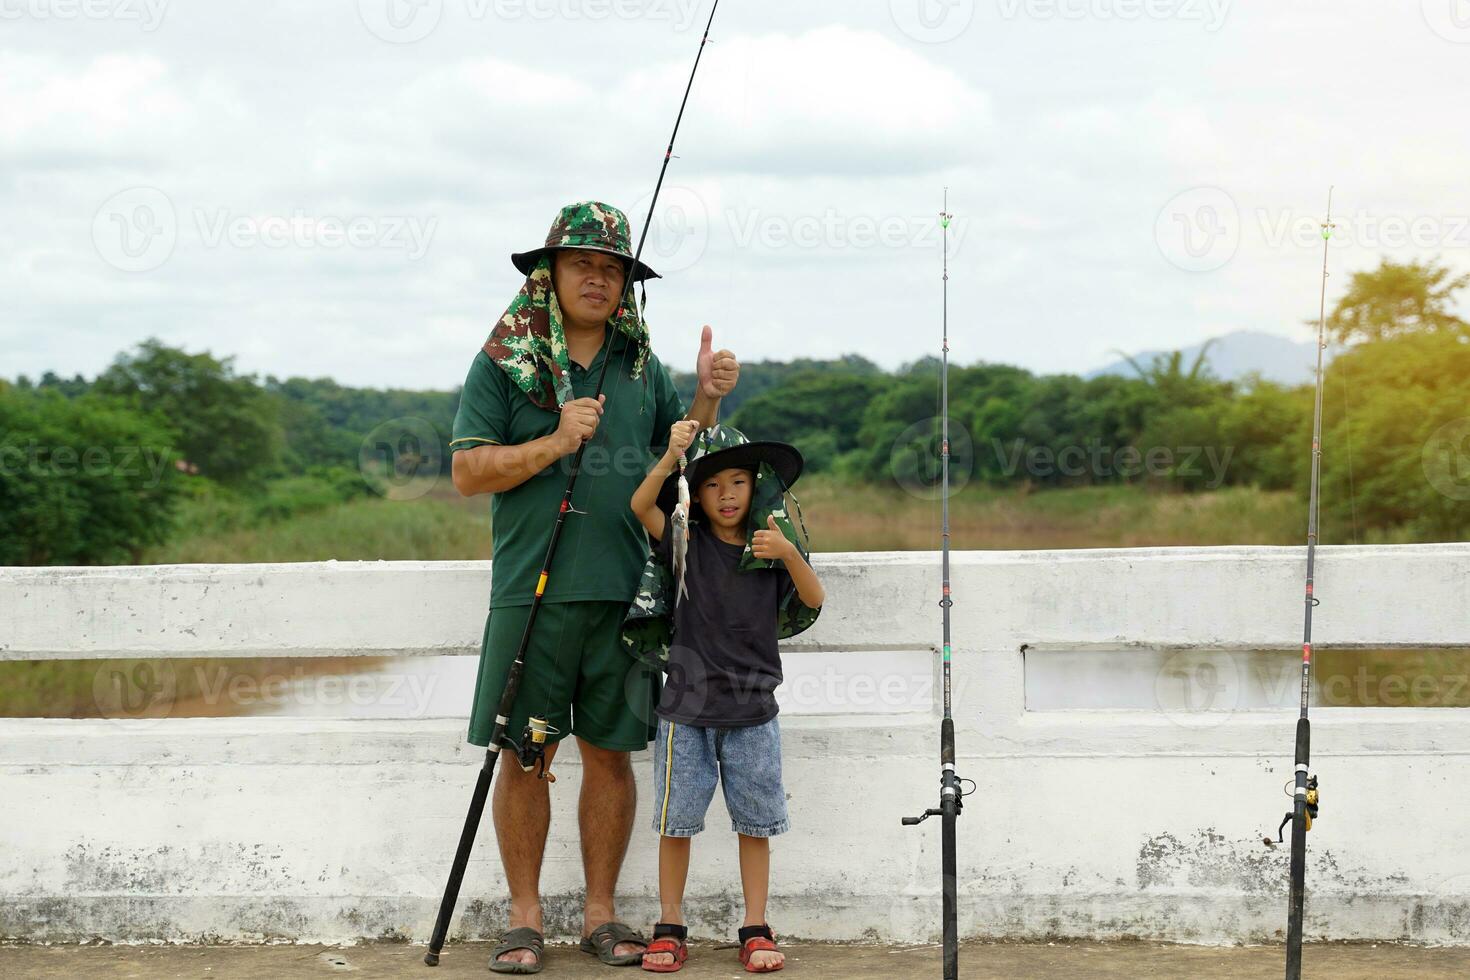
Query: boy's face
(725, 497)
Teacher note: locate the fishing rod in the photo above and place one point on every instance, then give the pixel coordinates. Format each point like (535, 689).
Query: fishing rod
(1304, 793)
(531, 752)
(951, 794)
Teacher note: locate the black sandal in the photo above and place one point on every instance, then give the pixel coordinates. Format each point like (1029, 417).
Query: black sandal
(523, 938)
(605, 938)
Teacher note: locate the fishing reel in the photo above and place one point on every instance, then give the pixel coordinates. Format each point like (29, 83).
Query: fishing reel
(531, 752)
(1309, 815)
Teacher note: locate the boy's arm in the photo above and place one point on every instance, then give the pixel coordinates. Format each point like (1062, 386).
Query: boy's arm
(808, 586)
(770, 543)
(645, 498)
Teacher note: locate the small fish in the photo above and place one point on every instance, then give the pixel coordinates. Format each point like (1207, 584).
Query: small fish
(679, 542)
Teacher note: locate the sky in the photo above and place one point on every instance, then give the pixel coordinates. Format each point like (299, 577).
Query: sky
(333, 189)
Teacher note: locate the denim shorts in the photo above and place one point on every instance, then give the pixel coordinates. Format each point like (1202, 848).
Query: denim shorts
(687, 762)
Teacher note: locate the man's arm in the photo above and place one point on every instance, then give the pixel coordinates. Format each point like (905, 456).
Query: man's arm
(496, 469)
(717, 373)
(705, 410)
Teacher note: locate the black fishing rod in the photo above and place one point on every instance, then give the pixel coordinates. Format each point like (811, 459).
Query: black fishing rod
(531, 752)
(951, 796)
(1304, 792)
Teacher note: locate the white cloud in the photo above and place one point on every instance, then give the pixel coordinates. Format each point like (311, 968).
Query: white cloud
(1060, 141)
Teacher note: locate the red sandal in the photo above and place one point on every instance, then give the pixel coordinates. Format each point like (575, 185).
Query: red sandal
(756, 939)
(667, 938)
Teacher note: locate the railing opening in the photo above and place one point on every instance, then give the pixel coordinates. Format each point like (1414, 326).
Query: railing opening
(1215, 682)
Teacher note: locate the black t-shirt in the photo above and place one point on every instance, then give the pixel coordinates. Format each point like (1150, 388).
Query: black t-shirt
(724, 662)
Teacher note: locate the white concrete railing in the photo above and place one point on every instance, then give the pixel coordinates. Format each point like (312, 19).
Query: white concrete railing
(1143, 820)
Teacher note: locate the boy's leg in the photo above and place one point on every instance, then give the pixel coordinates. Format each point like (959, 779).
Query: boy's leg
(755, 881)
(755, 877)
(750, 774)
(673, 873)
(684, 777)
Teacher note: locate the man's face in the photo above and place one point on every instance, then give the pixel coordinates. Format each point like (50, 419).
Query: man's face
(725, 497)
(588, 284)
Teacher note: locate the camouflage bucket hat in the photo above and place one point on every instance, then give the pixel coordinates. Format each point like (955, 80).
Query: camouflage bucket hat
(591, 225)
(721, 447)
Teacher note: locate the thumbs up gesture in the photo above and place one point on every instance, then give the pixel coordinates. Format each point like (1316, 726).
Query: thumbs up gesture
(718, 370)
(771, 543)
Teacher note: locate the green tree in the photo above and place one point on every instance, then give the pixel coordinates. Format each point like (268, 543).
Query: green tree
(818, 413)
(83, 480)
(1397, 299)
(225, 423)
(1396, 434)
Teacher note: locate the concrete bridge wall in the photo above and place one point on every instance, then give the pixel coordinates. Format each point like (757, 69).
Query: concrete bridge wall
(1126, 716)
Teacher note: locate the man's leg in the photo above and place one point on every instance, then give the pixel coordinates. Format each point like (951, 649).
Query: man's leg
(521, 809)
(605, 816)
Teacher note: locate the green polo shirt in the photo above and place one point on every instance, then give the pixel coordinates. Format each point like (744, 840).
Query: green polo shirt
(601, 552)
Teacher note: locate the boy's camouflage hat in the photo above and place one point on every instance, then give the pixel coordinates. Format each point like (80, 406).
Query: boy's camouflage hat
(649, 624)
(590, 225)
(721, 447)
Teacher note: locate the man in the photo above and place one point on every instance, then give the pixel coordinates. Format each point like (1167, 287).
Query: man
(526, 407)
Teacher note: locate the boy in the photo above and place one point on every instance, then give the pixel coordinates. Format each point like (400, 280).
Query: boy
(736, 574)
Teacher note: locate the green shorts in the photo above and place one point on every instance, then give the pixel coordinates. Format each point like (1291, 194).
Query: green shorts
(576, 676)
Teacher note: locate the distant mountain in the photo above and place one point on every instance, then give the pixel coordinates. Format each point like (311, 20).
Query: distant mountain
(1237, 354)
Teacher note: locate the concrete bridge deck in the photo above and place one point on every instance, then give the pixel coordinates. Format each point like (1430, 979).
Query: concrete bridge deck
(1134, 961)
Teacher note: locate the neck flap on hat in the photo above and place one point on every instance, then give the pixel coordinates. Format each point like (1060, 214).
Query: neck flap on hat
(529, 342)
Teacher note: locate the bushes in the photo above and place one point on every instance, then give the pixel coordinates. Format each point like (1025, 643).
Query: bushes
(86, 480)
